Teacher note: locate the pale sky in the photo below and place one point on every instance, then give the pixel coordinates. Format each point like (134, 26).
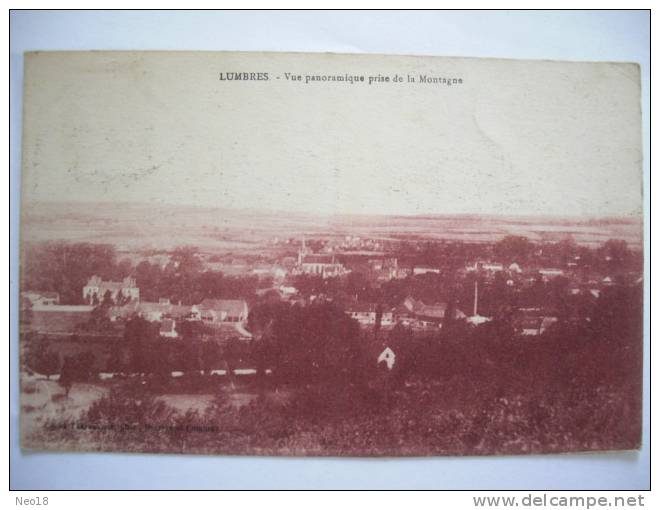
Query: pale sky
(517, 137)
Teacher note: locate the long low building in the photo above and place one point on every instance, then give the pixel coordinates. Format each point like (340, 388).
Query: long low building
(37, 298)
(226, 317)
(209, 311)
(410, 312)
(223, 310)
(366, 313)
(153, 311)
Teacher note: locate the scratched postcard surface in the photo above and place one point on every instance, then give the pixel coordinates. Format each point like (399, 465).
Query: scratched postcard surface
(319, 254)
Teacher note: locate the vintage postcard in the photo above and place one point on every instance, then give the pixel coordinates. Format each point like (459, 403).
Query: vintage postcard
(320, 254)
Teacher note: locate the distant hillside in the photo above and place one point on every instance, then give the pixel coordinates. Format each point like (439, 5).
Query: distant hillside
(133, 225)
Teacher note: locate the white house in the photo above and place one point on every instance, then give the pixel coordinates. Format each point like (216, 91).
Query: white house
(515, 268)
(425, 270)
(550, 273)
(97, 288)
(490, 267)
(388, 357)
(41, 298)
(155, 312)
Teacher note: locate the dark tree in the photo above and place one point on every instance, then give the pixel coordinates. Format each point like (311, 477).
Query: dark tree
(79, 368)
(315, 343)
(139, 336)
(65, 267)
(513, 249)
(617, 252)
(210, 356)
(379, 319)
(25, 313)
(42, 360)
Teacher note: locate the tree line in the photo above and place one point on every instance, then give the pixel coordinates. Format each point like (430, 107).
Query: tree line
(66, 267)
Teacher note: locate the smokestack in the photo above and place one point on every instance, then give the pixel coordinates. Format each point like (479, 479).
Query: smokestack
(476, 297)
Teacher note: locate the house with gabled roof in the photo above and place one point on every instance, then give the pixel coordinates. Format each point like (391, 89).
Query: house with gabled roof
(223, 310)
(168, 328)
(366, 314)
(434, 312)
(41, 298)
(154, 312)
(528, 323)
(97, 288)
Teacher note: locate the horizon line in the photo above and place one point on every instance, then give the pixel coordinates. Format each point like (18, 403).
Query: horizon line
(513, 215)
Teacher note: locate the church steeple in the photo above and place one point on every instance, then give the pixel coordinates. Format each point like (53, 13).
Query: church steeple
(302, 251)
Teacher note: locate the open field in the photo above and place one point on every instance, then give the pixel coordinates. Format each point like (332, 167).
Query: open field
(156, 226)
